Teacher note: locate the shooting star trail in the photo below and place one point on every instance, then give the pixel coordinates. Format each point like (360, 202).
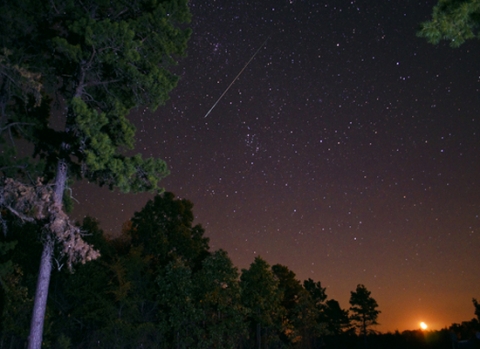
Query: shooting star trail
(236, 77)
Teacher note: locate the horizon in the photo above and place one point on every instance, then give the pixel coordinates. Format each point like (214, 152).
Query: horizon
(346, 150)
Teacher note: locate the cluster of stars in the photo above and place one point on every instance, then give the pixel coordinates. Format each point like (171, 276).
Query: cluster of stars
(346, 149)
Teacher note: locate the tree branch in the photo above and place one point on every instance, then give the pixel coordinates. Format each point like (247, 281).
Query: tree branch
(20, 215)
(16, 124)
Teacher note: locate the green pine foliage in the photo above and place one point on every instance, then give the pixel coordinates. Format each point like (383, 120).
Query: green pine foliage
(71, 72)
(90, 63)
(452, 20)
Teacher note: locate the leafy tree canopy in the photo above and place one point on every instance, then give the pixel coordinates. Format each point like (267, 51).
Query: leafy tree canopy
(164, 228)
(288, 284)
(316, 291)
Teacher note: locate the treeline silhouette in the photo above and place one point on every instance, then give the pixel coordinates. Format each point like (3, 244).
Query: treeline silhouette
(158, 285)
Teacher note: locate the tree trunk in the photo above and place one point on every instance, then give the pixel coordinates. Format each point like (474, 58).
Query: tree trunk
(45, 270)
(41, 295)
(60, 181)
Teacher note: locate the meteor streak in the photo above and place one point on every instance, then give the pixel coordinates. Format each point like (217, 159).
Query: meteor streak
(236, 77)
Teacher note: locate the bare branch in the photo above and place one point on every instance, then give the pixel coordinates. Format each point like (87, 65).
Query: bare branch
(20, 215)
(52, 3)
(71, 194)
(35, 203)
(11, 136)
(13, 124)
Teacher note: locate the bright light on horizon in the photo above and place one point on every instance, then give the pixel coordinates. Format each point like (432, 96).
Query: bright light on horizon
(423, 325)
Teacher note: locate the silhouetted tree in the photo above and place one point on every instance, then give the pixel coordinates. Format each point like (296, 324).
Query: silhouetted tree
(262, 299)
(164, 230)
(337, 318)
(477, 308)
(291, 290)
(219, 303)
(317, 296)
(364, 310)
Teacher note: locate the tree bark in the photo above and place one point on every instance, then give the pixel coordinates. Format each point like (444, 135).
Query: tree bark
(41, 293)
(60, 180)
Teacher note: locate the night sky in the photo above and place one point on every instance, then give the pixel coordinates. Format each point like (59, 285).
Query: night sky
(347, 150)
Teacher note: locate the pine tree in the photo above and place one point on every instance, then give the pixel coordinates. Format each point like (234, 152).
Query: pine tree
(453, 20)
(89, 63)
(337, 318)
(364, 310)
(477, 308)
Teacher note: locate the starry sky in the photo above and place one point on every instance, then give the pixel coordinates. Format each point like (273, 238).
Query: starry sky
(347, 150)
